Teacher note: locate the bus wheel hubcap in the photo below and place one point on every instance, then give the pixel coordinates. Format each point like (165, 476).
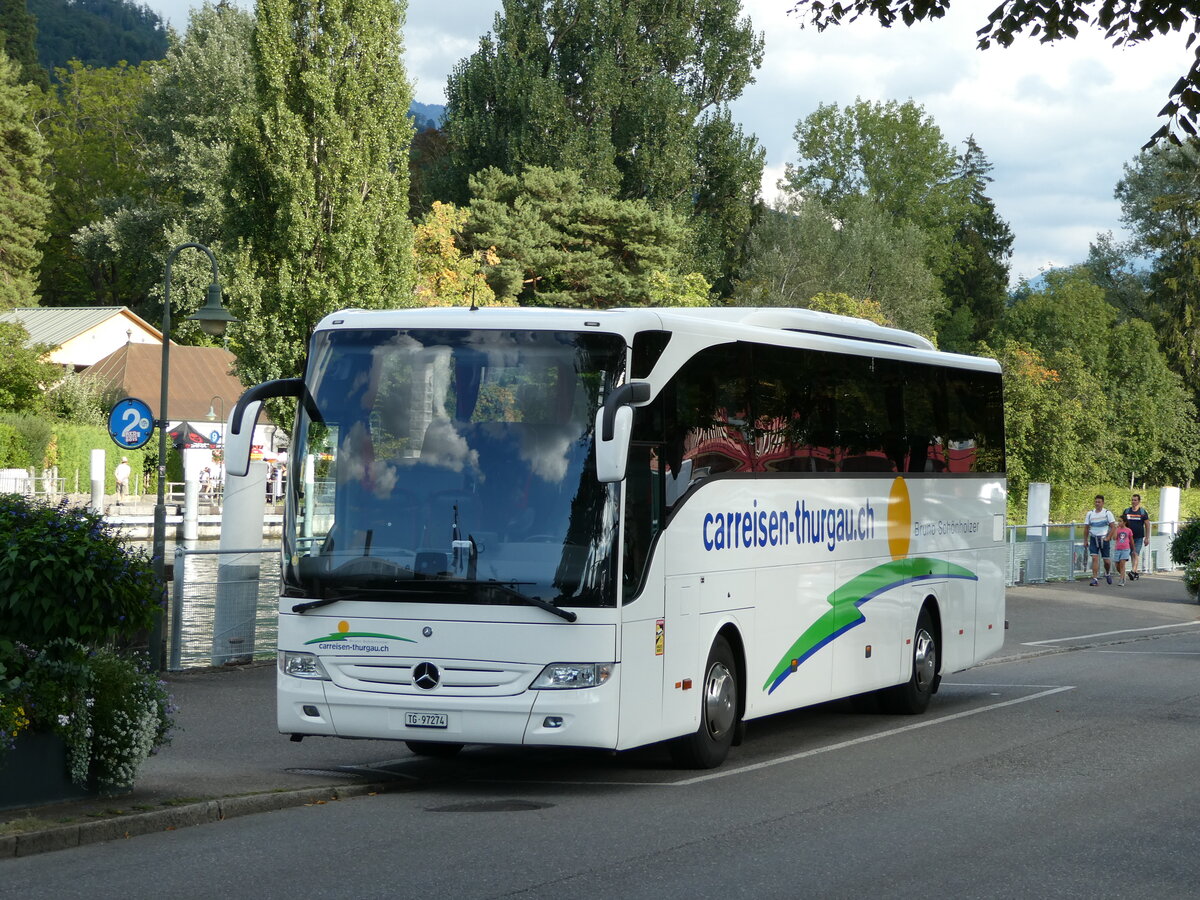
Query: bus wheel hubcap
(720, 701)
(924, 660)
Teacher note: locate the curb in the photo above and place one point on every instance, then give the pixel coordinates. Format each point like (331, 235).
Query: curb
(202, 813)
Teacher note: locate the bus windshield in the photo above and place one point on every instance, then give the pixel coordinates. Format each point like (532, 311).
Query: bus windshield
(453, 466)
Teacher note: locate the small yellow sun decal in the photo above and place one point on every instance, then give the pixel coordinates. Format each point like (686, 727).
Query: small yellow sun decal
(343, 627)
(899, 520)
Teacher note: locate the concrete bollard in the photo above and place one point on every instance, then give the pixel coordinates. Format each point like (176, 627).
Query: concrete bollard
(237, 573)
(97, 473)
(191, 508)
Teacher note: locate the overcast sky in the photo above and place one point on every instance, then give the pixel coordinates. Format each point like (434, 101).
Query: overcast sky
(1057, 122)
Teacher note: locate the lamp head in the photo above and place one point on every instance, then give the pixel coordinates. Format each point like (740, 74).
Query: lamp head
(212, 316)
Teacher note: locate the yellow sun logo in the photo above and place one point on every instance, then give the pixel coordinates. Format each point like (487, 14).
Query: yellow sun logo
(899, 520)
(343, 627)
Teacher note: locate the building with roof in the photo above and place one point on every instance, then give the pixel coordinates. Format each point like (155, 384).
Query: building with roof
(83, 335)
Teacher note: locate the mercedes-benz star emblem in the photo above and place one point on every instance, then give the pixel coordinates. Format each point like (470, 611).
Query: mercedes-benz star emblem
(425, 676)
(427, 631)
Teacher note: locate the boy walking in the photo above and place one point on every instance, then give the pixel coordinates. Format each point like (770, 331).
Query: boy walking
(1100, 524)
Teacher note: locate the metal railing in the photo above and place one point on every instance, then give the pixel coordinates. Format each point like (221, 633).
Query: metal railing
(1041, 553)
(223, 607)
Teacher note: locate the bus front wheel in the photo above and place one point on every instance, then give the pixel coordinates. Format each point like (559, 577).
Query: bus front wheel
(709, 745)
(912, 697)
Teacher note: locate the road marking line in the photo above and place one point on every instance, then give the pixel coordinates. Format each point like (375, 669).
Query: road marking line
(1084, 637)
(725, 773)
(988, 684)
(1150, 652)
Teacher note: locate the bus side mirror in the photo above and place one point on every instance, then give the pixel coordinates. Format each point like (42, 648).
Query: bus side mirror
(240, 432)
(614, 425)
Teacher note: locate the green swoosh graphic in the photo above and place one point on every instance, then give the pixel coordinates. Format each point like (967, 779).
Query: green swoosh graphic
(343, 635)
(844, 605)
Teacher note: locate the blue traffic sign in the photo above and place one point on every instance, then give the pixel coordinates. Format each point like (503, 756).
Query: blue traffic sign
(130, 423)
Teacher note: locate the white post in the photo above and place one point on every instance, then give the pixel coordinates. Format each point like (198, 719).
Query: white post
(97, 468)
(1168, 524)
(242, 519)
(1037, 520)
(191, 506)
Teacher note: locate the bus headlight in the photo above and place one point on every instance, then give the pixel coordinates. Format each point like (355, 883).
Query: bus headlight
(301, 665)
(561, 676)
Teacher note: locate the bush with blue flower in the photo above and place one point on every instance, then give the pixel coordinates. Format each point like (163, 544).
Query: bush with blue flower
(73, 594)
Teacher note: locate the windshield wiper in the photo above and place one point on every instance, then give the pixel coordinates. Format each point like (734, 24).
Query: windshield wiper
(510, 589)
(438, 587)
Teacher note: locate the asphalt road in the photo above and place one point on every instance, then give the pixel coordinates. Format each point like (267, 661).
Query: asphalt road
(1066, 768)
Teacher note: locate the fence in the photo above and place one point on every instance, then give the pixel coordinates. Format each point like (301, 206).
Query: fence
(1037, 554)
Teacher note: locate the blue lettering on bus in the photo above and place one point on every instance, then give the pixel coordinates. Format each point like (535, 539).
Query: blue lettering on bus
(803, 524)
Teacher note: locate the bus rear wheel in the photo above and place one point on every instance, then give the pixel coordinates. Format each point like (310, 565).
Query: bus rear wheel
(912, 697)
(435, 749)
(708, 747)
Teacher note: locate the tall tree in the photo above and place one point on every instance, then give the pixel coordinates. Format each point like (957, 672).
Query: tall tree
(23, 204)
(893, 154)
(557, 243)
(188, 113)
(321, 176)
(632, 93)
(802, 249)
(20, 36)
(93, 129)
(1160, 202)
(1122, 22)
(976, 281)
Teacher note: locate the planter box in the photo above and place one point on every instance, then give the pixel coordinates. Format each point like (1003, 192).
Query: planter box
(35, 772)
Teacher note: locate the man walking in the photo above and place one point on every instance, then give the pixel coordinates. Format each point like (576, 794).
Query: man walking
(1137, 517)
(1100, 524)
(121, 477)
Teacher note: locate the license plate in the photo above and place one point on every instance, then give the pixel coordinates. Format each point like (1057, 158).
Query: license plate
(426, 720)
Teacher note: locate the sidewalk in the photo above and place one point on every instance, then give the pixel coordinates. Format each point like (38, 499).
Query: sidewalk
(227, 759)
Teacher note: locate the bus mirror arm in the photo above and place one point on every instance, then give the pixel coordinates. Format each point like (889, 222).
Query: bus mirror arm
(614, 425)
(633, 392)
(245, 416)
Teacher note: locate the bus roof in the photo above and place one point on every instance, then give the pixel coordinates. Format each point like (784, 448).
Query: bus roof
(732, 322)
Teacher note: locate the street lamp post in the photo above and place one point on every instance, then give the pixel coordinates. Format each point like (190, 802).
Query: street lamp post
(213, 318)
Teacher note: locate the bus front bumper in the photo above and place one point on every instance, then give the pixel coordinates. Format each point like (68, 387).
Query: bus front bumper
(584, 717)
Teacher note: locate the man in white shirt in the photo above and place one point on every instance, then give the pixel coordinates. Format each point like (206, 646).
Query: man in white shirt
(1100, 524)
(121, 476)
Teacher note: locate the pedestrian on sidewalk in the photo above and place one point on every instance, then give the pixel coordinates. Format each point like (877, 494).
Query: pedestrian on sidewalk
(121, 476)
(1100, 524)
(1122, 544)
(1138, 519)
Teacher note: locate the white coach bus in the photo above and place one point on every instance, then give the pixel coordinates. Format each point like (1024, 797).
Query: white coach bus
(606, 529)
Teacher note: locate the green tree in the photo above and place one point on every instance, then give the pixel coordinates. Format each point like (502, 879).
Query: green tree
(633, 94)
(23, 205)
(890, 153)
(1119, 269)
(20, 35)
(1122, 22)
(94, 132)
(1160, 203)
(802, 249)
(976, 280)
(188, 113)
(1055, 414)
(24, 376)
(320, 184)
(557, 243)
